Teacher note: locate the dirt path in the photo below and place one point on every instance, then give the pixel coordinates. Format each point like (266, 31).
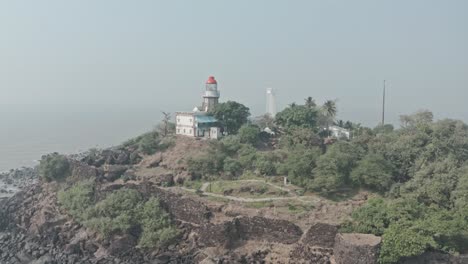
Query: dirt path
(304, 199)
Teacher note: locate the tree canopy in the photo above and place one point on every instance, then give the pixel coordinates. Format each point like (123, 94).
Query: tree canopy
(232, 115)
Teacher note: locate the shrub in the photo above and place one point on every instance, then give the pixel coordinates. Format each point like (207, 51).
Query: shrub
(77, 199)
(115, 213)
(246, 156)
(373, 171)
(232, 167)
(156, 225)
(401, 240)
(148, 143)
(265, 165)
(249, 134)
(121, 211)
(54, 167)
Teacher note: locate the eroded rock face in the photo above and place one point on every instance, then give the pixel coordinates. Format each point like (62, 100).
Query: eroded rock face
(357, 249)
(307, 254)
(256, 228)
(271, 230)
(321, 235)
(181, 208)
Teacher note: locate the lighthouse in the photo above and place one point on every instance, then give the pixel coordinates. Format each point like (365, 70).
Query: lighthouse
(211, 95)
(199, 123)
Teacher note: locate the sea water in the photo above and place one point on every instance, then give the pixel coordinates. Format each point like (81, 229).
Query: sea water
(28, 132)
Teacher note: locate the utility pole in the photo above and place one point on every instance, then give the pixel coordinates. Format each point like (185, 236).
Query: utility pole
(383, 105)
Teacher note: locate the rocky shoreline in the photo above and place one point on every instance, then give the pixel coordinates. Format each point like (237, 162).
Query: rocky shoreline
(16, 180)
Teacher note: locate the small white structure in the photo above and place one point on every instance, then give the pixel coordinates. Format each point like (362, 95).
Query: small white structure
(339, 132)
(199, 123)
(270, 102)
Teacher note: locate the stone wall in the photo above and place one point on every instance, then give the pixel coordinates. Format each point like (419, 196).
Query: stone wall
(180, 207)
(271, 230)
(356, 249)
(255, 228)
(320, 235)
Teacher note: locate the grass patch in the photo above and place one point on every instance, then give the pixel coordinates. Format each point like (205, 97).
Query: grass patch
(196, 185)
(258, 205)
(245, 189)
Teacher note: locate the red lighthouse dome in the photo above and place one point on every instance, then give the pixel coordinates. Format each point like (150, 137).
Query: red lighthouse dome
(211, 80)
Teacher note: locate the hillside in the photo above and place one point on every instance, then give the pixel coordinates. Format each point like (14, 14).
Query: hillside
(383, 196)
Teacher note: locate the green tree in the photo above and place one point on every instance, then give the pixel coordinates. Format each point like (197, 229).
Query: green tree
(334, 167)
(375, 172)
(403, 240)
(297, 116)
(232, 115)
(300, 136)
(329, 110)
(249, 134)
(416, 119)
(310, 102)
(54, 167)
(265, 164)
(232, 167)
(299, 165)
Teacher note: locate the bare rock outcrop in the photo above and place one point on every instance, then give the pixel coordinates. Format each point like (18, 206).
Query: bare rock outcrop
(321, 235)
(356, 249)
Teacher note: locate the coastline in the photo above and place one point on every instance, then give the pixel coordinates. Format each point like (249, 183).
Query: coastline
(15, 180)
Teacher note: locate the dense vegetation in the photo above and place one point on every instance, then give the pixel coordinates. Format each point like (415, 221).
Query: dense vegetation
(420, 171)
(120, 212)
(54, 167)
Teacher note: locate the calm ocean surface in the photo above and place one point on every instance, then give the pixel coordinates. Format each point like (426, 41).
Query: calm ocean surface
(27, 132)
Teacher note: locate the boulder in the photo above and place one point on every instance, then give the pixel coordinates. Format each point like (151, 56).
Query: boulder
(321, 235)
(81, 170)
(357, 249)
(46, 259)
(154, 161)
(113, 172)
(120, 244)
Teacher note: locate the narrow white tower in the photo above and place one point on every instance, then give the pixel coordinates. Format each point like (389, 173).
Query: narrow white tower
(211, 95)
(270, 102)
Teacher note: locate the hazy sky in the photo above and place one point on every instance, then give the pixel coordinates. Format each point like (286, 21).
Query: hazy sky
(159, 53)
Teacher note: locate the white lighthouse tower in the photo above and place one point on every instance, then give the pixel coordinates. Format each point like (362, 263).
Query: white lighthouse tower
(211, 95)
(270, 102)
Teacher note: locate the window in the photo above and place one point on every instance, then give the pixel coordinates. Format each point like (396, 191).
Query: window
(190, 131)
(178, 120)
(184, 131)
(178, 131)
(190, 120)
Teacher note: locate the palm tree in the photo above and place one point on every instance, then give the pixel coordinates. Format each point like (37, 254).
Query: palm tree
(310, 102)
(292, 105)
(340, 123)
(329, 109)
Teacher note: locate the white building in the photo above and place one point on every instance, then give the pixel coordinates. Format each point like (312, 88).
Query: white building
(199, 123)
(339, 132)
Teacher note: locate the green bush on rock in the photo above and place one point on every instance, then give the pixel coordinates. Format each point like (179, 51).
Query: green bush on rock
(54, 167)
(119, 212)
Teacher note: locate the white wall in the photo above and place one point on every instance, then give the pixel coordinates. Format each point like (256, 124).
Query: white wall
(185, 124)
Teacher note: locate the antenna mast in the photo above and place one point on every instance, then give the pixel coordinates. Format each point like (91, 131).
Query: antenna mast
(383, 104)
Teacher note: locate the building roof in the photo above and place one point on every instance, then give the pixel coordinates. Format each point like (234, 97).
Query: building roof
(205, 119)
(211, 80)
